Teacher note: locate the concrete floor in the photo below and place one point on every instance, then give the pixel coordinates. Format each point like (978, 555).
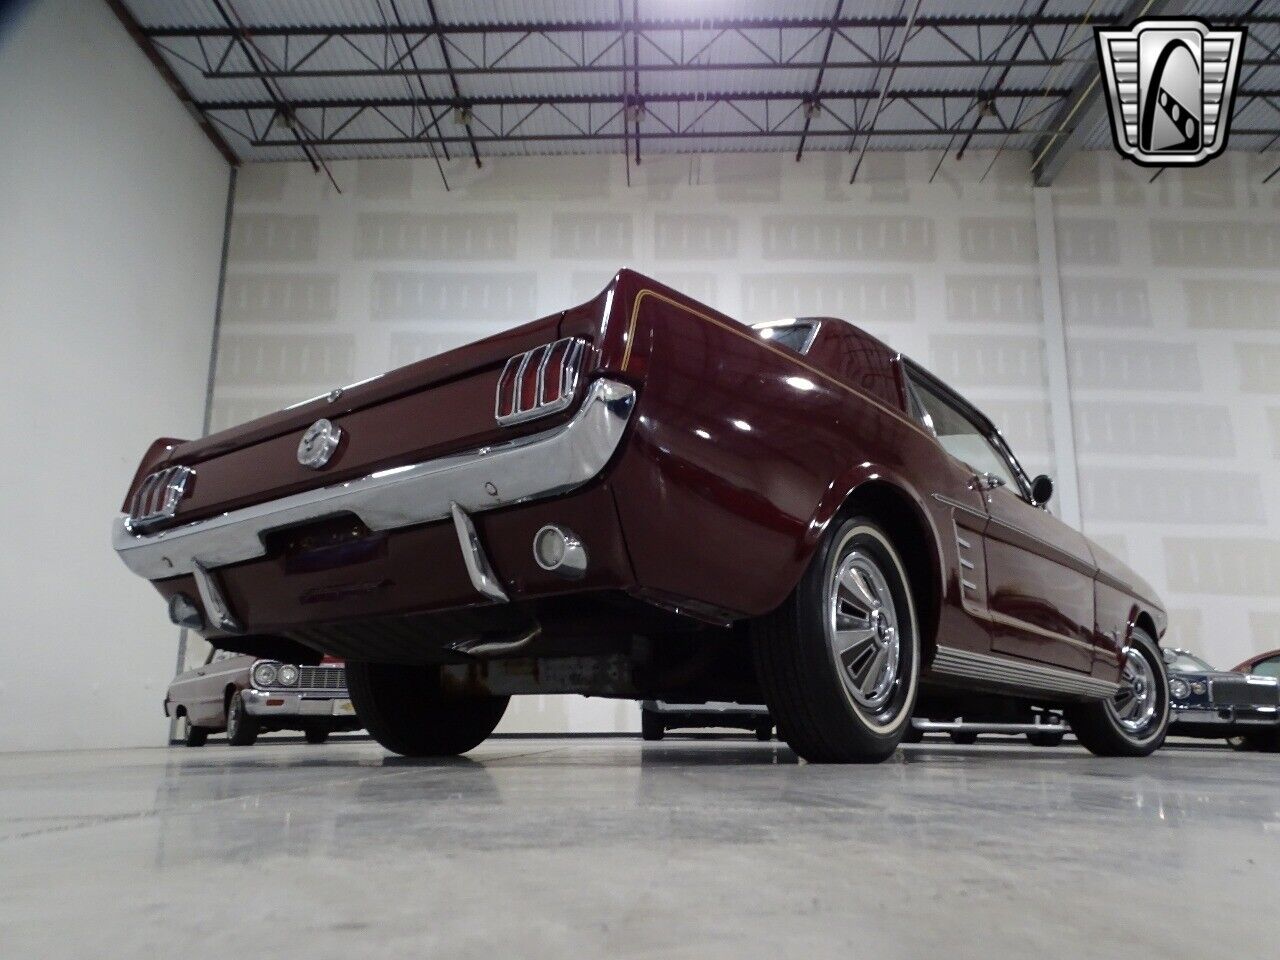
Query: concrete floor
(607, 848)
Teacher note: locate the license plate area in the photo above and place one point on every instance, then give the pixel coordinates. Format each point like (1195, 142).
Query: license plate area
(338, 541)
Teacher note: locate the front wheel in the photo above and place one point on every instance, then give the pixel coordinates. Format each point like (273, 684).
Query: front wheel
(838, 662)
(316, 734)
(242, 729)
(404, 709)
(1134, 722)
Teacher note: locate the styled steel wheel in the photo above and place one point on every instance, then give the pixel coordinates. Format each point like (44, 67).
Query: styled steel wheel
(1135, 721)
(1135, 703)
(862, 628)
(838, 662)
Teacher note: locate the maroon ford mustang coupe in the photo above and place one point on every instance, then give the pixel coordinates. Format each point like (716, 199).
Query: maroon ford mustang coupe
(640, 497)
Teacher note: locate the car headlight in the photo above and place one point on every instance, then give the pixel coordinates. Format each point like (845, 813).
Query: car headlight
(1179, 689)
(287, 675)
(1199, 688)
(264, 674)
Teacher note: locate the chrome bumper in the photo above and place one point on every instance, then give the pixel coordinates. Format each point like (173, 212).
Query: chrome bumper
(528, 468)
(277, 703)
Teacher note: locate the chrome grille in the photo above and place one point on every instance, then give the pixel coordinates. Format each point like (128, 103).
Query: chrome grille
(322, 678)
(158, 495)
(1239, 692)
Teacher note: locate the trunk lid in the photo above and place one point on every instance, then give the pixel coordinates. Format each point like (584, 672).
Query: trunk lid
(440, 405)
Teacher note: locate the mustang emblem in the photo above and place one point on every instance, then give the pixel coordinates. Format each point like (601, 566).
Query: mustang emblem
(318, 444)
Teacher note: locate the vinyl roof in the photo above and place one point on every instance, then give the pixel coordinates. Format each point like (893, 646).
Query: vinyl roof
(289, 79)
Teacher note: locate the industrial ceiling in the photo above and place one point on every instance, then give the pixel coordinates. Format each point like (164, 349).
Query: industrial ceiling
(318, 80)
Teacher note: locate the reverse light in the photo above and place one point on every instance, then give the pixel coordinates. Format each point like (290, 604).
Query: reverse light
(538, 382)
(558, 550)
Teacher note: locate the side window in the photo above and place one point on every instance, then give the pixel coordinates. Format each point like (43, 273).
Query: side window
(1268, 668)
(960, 436)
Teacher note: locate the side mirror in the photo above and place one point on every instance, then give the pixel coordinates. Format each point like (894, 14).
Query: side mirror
(1041, 489)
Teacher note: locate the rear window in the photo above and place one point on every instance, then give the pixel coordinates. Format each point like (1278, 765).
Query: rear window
(796, 335)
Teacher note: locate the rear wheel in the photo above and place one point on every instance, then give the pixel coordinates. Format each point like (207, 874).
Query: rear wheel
(1256, 742)
(838, 662)
(651, 726)
(195, 736)
(1046, 738)
(1135, 721)
(242, 729)
(912, 734)
(316, 734)
(403, 708)
(764, 731)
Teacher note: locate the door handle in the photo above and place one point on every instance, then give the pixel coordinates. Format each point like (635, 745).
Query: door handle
(985, 481)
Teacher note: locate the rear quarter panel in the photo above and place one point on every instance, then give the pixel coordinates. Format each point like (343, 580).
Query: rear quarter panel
(743, 451)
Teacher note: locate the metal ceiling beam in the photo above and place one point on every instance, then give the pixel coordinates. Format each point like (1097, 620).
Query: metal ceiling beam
(746, 134)
(336, 103)
(1004, 75)
(453, 77)
(1083, 111)
(884, 90)
(617, 68)
(812, 106)
(704, 24)
(140, 37)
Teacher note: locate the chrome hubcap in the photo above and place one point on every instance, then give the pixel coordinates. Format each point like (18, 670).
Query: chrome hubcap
(864, 636)
(1135, 702)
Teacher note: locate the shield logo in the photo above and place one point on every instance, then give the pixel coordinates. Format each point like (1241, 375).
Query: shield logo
(1170, 87)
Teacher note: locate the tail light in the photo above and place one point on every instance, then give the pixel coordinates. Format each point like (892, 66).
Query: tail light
(158, 495)
(539, 382)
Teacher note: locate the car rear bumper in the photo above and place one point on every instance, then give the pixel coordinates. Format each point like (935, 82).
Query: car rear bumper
(533, 467)
(243, 588)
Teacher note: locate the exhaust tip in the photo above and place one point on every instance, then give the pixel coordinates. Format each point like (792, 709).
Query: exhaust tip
(558, 550)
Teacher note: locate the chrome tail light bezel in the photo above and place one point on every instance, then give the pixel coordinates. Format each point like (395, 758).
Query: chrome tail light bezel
(158, 496)
(537, 363)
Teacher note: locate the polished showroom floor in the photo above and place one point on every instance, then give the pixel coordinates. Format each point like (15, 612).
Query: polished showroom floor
(607, 848)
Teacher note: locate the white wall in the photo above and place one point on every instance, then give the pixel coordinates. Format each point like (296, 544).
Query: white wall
(1171, 293)
(111, 222)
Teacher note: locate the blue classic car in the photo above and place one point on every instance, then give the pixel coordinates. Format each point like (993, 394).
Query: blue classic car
(1243, 708)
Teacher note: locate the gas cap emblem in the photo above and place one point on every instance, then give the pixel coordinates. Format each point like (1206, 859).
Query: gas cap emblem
(318, 444)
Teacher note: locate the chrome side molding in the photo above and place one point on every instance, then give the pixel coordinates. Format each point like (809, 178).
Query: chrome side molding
(527, 468)
(1020, 675)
